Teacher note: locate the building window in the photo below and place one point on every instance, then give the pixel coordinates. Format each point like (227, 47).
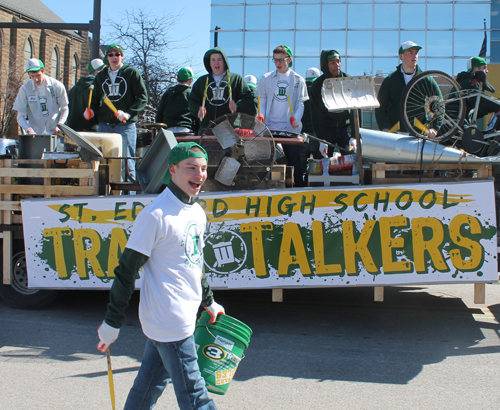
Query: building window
(54, 64)
(74, 69)
(28, 49)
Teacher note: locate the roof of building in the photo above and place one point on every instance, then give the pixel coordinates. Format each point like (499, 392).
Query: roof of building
(34, 9)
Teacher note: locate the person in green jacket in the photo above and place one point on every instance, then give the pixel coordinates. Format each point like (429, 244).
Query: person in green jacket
(79, 99)
(220, 91)
(389, 95)
(125, 88)
(174, 104)
(335, 127)
(467, 81)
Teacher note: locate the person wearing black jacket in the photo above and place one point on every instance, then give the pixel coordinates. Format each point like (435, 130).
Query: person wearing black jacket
(335, 127)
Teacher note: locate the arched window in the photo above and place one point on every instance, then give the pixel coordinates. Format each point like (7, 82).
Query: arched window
(28, 49)
(54, 64)
(74, 69)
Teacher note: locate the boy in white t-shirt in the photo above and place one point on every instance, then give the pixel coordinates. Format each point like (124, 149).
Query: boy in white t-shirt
(167, 241)
(282, 94)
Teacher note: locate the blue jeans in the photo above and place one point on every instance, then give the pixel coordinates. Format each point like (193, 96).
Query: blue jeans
(129, 142)
(163, 361)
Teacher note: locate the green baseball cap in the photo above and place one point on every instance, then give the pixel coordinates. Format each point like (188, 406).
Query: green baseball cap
(407, 45)
(181, 152)
(477, 62)
(33, 64)
(95, 64)
(289, 52)
(111, 46)
(185, 73)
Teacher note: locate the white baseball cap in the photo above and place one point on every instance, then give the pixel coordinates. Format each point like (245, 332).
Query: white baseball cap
(469, 63)
(312, 73)
(408, 44)
(251, 79)
(95, 64)
(33, 64)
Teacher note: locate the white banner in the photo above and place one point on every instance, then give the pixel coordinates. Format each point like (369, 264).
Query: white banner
(338, 236)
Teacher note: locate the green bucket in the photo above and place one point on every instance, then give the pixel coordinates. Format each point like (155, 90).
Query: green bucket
(220, 349)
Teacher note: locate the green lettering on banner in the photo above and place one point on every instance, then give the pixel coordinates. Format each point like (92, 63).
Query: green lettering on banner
(285, 209)
(80, 210)
(433, 200)
(223, 211)
(119, 210)
(400, 197)
(136, 208)
(256, 207)
(310, 205)
(384, 201)
(338, 200)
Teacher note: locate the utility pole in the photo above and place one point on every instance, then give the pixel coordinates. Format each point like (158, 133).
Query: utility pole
(216, 35)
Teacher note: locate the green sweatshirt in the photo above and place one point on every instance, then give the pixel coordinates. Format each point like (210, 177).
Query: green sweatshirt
(174, 107)
(322, 119)
(127, 272)
(128, 94)
(78, 98)
(217, 98)
(485, 107)
(389, 97)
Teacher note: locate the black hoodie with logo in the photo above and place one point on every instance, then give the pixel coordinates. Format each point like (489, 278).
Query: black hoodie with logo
(217, 96)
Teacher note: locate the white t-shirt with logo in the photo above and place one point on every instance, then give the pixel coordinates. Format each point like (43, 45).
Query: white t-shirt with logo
(170, 232)
(279, 117)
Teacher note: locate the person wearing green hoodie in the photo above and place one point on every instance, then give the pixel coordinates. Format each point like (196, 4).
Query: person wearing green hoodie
(468, 81)
(220, 91)
(174, 104)
(335, 127)
(79, 99)
(125, 88)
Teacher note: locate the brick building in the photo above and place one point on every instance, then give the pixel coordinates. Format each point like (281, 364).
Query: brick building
(65, 53)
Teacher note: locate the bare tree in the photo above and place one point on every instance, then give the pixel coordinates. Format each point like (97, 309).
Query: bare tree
(8, 94)
(147, 41)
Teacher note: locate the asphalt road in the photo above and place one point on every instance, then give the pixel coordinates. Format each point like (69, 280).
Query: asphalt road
(422, 348)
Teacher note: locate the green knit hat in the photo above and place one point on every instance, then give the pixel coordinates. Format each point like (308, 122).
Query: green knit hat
(181, 152)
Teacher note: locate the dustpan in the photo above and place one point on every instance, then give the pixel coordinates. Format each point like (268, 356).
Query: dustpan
(345, 93)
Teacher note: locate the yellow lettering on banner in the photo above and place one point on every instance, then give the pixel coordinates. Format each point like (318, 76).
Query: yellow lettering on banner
(476, 250)
(56, 234)
(118, 241)
(319, 252)
(81, 253)
(291, 235)
(256, 228)
(420, 245)
(351, 247)
(388, 243)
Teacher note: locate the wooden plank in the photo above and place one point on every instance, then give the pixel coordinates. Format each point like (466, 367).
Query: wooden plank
(10, 205)
(46, 173)
(277, 295)
(7, 235)
(7, 257)
(479, 293)
(378, 293)
(412, 180)
(47, 190)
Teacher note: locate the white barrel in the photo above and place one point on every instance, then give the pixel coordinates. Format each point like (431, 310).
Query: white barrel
(110, 145)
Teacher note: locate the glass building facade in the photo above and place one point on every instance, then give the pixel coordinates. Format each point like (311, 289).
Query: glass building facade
(367, 34)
